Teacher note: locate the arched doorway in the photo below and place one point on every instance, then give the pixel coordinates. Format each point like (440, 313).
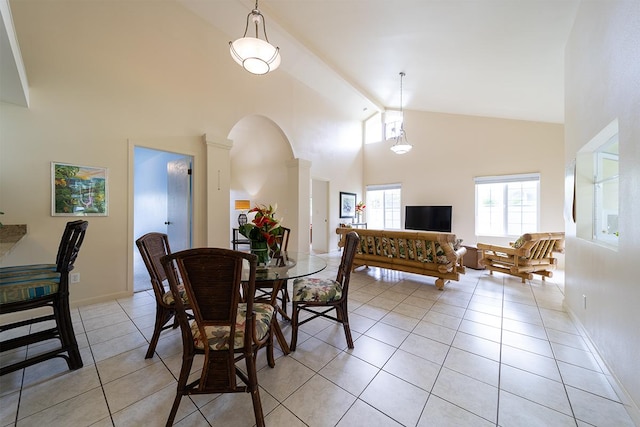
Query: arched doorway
(264, 170)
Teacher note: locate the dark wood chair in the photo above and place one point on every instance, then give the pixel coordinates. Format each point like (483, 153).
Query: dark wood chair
(283, 242)
(320, 296)
(33, 286)
(267, 290)
(153, 246)
(283, 239)
(227, 326)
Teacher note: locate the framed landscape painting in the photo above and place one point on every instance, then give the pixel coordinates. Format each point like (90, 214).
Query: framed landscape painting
(347, 205)
(78, 190)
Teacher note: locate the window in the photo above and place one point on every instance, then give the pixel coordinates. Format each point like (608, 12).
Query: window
(507, 205)
(596, 188)
(383, 206)
(373, 126)
(373, 129)
(605, 192)
(392, 124)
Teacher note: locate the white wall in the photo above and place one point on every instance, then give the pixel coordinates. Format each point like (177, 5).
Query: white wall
(450, 150)
(602, 84)
(103, 74)
(258, 167)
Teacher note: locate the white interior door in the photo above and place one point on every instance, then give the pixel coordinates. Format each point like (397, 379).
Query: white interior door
(179, 204)
(319, 216)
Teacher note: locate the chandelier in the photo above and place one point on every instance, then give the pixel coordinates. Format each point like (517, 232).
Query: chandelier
(255, 55)
(400, 143)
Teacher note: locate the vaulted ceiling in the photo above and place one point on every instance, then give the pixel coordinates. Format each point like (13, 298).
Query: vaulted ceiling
(495, 58)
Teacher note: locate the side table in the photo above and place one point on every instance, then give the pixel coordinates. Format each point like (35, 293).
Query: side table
(472, 258)
(238, 240)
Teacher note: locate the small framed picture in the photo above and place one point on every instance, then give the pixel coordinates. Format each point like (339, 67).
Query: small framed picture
(347, 205)
(78, 190)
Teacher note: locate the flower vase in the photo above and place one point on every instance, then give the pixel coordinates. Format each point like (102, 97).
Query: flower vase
(359, 217)
(261, 250)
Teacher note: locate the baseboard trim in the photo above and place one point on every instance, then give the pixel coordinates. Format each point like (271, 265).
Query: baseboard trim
(631, 407)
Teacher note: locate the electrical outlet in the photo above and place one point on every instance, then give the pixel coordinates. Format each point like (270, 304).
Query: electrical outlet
(74, 278)
(584, 301)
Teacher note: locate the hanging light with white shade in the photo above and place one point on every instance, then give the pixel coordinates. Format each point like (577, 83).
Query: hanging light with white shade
(255, 55)
(400, 143)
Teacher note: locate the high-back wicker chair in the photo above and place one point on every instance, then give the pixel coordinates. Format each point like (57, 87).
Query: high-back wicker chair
(153, 246)
(320, 296)
(531, 254)
(26, 287)
(227, 327)
(267, 290)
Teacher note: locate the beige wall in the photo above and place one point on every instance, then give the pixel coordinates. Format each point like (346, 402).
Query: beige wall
(450, 150)
(258, 168)
(603, 84)
(103, 74)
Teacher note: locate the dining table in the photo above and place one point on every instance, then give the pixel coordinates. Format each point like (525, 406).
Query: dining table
(270, 279)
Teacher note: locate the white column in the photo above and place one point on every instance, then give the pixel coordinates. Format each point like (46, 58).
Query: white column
(218, 192)
(299, 189)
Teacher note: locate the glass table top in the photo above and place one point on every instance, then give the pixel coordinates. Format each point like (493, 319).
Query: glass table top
(289, 265)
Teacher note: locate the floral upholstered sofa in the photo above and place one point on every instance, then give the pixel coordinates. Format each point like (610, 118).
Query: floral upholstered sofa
(422, 252)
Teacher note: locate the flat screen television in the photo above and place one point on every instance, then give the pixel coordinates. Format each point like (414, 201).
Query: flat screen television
(428, 218)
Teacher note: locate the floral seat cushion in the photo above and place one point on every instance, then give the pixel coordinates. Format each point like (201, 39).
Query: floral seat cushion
(392, 247)
(168, 299)
(16, 286)
(218, 337)
(317, 290)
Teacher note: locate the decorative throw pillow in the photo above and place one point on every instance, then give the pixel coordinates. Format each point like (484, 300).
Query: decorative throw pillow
(457, 244)
(519, 242)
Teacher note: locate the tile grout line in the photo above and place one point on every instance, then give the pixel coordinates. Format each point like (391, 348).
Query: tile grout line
(555, 359)
(449, 350)
(500, 354)
(21, 389)
(95, 363)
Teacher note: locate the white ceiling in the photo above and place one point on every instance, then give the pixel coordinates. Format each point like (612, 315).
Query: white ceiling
(495, 58)
(14, 87)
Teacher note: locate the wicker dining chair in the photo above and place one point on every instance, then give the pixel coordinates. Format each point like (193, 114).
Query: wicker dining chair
(268, 291)
(26, 287)
(227, 326)
(153, 246)
(320, 296)
(283, 242)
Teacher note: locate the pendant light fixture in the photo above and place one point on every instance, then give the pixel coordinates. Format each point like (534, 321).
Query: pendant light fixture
(255, 55)
(400, 143)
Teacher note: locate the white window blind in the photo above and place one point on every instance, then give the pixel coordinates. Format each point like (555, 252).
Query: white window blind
(507, 205)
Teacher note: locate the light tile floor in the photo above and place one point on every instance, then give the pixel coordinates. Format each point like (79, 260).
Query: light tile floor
(486, 351)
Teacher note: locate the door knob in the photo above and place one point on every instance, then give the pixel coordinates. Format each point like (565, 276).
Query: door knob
(167, 222)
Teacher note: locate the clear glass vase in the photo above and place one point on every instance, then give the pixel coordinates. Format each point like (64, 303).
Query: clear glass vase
(261, 250)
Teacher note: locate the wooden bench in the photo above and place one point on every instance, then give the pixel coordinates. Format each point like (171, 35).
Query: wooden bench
(421, 252)
(531, 254)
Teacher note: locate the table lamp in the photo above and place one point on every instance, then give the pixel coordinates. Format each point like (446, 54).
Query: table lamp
(242, 205)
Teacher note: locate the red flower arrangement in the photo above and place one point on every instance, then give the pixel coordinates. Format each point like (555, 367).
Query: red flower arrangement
(360, 207)
(264, 227)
